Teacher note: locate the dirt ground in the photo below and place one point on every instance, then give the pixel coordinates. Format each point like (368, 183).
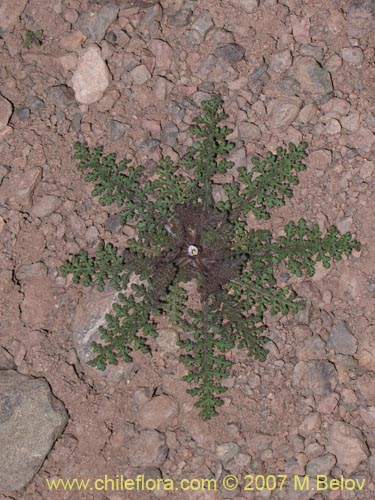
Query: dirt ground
(274, 420)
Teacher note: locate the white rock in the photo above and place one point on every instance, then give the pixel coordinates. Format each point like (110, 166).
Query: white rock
(91, 78)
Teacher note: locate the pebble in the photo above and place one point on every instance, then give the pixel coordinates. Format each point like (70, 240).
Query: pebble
(46, 205)
(163, 53)
(76, 122)
(232, 53)
(307, 113)
(10, 12)
(301, 28)
(320, 159)
(118, 129)
(322, 464)
(366, 385)
(332, 127)
(140, 74)
(248, 5)
(225, 452)
(170, 133)
(281, 61)
(22, 113)
(149, 146)
(61, 95)
(203, 24)
(333, 63)
(91, 78)
(319, 376)
(348, 445)
(6, 360)
(342, 340)
(351, 122)
(158, 412)
(283, 111)
(181, 18)
(353, 55)
(312, 77)
(249, 131)
(360, 18)
(35, 103)
(95, 26)
(167, 340)
(5, 112)
(148, 448)
(113, 223)
(91, 235)
(309, 424)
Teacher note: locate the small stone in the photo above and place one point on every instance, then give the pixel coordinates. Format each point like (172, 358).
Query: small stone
(94, 26)
(283, 111)
(366, 385)
(203, 24)
(22, 113)
(319, 376)
(281, 61)
(301, 28)
(91, 235)
(333, 127)
(342, 340)
(158, 412)
(72, 41)
(361, 18)
(249, 131)
(310, 424)
(181, 18)
(118, 129)
(353, 55)
(170, 133)
(113, 223)
(31, 421)
(35, 270)
(140, 74)
(5, 112)
(226, 451)
(167, 340)
(307, 113)
(19, 186)
(35, 103)
(289, 86)
(232, 53)
(91, 78)
(149, 146)
(312, 77)
(111, 37)
(6, 360)
(362, 140)
(46, 205)
(367, 169)
(320, 159)
(163, 54)
(61, 95)
(148, 448)
(76, 122)
(323, 464)
(351, 122)
(248, 5)
(10, 12)
(348, 445)
(333, 63)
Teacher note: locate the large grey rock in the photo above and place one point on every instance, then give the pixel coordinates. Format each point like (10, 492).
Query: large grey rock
(31, 419)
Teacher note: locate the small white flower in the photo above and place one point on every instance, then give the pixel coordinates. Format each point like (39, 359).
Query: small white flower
(192, 250)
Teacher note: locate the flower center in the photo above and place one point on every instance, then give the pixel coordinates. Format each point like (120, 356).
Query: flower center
(193, 250)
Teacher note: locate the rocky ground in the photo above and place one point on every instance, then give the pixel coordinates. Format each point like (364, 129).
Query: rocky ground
(129, 76)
